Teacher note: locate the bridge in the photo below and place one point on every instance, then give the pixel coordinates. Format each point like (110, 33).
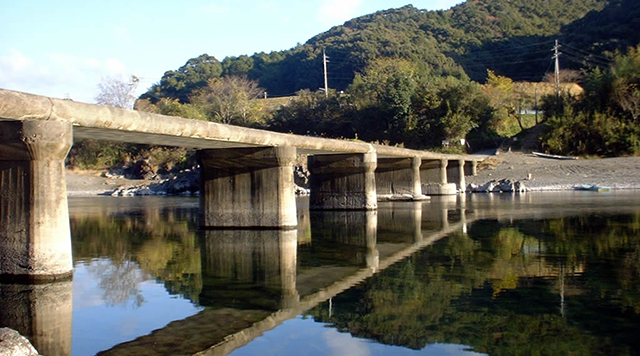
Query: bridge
(246, 176)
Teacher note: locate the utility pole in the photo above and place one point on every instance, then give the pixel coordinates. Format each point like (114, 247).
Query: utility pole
(556, 55)
(536, 105)
(324, 63)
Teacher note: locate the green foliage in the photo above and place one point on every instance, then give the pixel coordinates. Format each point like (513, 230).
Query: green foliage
(96, 154)
(316, 115)
(406, 73)
(498, 288)
(99, 154)
(604, 121)
(501, 35)
(182, 83)
(230, 100)
(171, 107)
(393, 101)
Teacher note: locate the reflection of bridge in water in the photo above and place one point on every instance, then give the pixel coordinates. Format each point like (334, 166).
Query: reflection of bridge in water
(255, 280)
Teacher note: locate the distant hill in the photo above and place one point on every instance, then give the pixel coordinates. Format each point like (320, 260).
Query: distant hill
(512, 37)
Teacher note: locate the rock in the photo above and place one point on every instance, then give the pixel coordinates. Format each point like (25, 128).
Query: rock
(14, 344)
(502, 186)
(485, 188)
(301, 177)
(300, 191)
(505, 185)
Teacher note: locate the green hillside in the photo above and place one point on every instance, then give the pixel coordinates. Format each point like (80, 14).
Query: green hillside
(511, 37)
(411, 77)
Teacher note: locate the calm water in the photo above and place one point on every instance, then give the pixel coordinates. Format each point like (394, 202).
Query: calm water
(540, 274)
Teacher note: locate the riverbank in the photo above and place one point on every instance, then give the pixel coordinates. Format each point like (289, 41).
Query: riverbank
(546, 174)
(537, 174)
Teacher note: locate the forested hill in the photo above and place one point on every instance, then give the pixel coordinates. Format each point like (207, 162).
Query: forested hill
(511, 37)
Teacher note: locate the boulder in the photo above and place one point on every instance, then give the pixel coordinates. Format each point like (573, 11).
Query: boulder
(14, 344)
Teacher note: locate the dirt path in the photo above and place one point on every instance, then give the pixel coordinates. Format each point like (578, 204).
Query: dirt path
(552, 174)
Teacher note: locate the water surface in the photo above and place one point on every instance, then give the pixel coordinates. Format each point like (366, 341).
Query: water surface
(537, 274)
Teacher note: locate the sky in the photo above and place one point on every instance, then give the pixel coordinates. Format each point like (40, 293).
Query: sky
(65, 48)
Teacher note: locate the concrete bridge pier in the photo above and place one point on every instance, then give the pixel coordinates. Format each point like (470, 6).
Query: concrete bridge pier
(40, 312)
(455, 173)
(343, 182)
(398, 176)
(35, 239)
(261, 263)
(471, 168)
(433, 174)
(247, 188)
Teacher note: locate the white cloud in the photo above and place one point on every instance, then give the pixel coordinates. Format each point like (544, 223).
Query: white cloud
(344, 344)
(337, 11)
(57, 74)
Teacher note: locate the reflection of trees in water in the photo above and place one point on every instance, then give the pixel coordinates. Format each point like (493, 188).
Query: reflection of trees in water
(119, 281)
(132, 248)
(498, 289)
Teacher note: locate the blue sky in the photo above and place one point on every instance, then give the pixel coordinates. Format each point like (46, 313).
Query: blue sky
(63, 48)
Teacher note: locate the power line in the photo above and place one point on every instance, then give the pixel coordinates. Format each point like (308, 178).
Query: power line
(587, 53)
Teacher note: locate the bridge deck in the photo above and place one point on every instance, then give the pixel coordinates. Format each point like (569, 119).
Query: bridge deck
(101, 122)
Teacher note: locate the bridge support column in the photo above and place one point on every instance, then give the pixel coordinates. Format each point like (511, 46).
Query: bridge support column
(398, 176)
(35, 239)
(343, 182)
(471, 168)
(40, 312)
(247, 188)
(262, 262)
(434, 178)
(455, 173)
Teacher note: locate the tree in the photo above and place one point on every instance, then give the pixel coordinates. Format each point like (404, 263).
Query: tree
(230, 100)
(626, 83)
(117, 93)
(505, 102)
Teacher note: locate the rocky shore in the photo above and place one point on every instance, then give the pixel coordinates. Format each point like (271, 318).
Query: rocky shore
(534, 173)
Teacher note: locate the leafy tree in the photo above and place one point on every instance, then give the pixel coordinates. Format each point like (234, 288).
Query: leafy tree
(230, 100)
(314, 114)
(626, 81)
(505, 102)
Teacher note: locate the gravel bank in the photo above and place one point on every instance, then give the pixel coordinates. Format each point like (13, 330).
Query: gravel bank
(551, 174)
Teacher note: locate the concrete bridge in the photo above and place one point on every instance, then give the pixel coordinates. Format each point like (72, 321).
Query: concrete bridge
(247, 179)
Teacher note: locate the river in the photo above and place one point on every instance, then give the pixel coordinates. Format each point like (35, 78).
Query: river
(483, 274)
